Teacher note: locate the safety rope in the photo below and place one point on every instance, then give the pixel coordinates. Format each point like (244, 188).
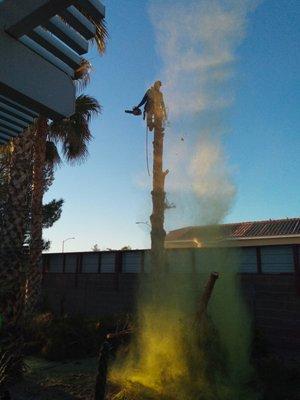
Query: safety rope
(147, 151)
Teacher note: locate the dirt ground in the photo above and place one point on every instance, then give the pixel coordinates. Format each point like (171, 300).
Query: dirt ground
(75, 380)
(45, 380)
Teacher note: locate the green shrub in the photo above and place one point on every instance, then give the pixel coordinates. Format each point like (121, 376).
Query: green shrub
(66, 337)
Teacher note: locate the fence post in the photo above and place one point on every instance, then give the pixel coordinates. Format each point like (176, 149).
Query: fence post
(142, 270)
(258, 260)
(296, 250)
(118, 268)
(99, 262)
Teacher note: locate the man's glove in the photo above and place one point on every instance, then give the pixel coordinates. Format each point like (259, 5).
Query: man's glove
(134, 111)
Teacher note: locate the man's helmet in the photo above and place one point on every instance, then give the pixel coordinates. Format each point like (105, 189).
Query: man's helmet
(157, 84)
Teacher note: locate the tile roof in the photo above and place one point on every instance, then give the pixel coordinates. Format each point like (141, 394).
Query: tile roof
(239, 230)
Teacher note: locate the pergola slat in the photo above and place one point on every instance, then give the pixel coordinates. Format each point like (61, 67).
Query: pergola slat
(79, 22)
(17, 106)
(38, 12)
(46, 55)
(43, 41)
(68, 35)
(15, 113)
(4, 125)
(6, 136)
(91, 7)
(12, 120)
(56, 47)
(8, 132)
(33, 13)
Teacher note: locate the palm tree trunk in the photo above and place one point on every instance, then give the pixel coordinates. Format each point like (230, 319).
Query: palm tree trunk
(13, 258)
(34, 280)
(157, 217)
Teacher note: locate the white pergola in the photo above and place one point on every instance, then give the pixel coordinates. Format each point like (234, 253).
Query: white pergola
(41, 44)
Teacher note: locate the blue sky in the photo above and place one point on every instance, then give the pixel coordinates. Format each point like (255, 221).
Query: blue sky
(103, 196)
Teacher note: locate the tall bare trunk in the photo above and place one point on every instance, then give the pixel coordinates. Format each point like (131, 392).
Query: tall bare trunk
(157, 217)
(13, 258)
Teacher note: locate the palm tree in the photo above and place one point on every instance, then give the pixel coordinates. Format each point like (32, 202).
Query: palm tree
(26, 185)
(13, 256)
(35, 226)
(74, 134)
(5, 161)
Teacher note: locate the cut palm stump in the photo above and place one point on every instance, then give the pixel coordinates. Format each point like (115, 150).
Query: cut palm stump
(117, 339)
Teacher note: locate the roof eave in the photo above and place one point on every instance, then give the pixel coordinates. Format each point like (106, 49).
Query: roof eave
(261, 237)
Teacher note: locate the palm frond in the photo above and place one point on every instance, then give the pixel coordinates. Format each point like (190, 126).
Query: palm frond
(101, 35)
(101, 32)
(87, 107)
(74, 132)
(52, 155)
(74, 151)
(82, 75)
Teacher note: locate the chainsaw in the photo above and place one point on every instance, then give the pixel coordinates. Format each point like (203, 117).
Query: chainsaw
(135, 111)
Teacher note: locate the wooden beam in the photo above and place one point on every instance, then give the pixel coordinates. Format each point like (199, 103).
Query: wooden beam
(68, 35)
(18, 107)
(27, 15)
(56, 47)
(24, 16)
(12, 120)
(94, 8)
(79, 22)
(7, 135)
(4, 136)
(10, 127)
(15, 113)
(41, 51)
(23, 78)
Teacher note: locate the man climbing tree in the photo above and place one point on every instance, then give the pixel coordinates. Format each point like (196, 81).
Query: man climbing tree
(156, 116)
(154, 109)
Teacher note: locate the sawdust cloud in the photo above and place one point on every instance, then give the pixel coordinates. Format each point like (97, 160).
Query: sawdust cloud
(197, 42)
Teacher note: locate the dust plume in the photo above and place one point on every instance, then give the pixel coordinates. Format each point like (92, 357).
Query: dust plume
(197, 42)
(171, 359)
